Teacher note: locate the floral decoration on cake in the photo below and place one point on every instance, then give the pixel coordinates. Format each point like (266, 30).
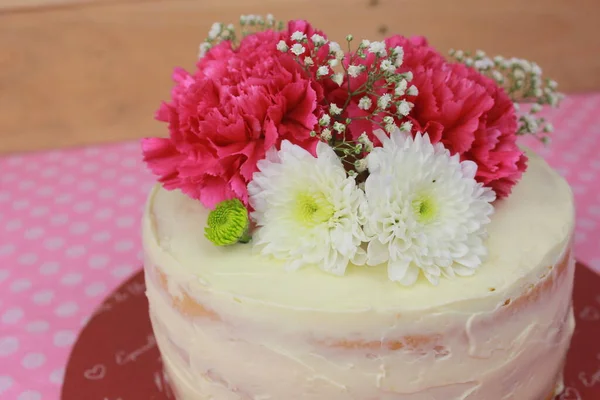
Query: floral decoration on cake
(376, 154)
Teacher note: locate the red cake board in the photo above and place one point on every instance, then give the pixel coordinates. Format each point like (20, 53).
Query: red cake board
(116, 358)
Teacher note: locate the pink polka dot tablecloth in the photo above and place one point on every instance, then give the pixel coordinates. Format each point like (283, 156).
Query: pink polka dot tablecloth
(69, 234)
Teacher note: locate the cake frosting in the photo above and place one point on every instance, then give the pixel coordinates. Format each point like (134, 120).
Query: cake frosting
(234, 324)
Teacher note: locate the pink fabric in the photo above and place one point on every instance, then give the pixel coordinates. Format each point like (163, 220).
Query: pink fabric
(69, 234)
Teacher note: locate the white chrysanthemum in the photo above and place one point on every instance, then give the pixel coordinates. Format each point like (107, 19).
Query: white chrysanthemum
(307, 210)
(426, 211)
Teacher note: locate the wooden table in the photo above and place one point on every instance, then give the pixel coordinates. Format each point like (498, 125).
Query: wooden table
(76, 72)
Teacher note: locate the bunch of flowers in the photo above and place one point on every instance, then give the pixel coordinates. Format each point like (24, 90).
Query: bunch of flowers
(374, 153)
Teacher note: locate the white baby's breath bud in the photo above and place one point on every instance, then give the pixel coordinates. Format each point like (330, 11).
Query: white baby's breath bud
(352, 173)
(408, 75)
(365, 141)
(535, 69)
(323, 70)
(553, 100)
(338, 78)
(552, 84)
(497, 76)
(387, 66)
(326, 135)
(215, 30)
(518, 74)
(333, 62)
(298, 36)
(243, 20)
(516, 106)
(412, 91)
(483, 64)
(378, 48)
(479, 54)
(339, 55)
(548, 127)
(360, 165)
(398, 53)
(401, 87)
(388, 119)
(270, 19)
(536, 108)
(406, 126)
(349, 38)
(282, 46)
(334, 47)
(354, 70)
(498, 60)
(318, 40)
(404, 108)
(384, 101)
(538, 92)
(365, 103)
(334, 109)
(525, 65)
(469, 62)
(324, 120)
(365, 43)
(204, 48)
(308, 62)
(339, 127)
(459, 55)
(298, 49)
(389, 128)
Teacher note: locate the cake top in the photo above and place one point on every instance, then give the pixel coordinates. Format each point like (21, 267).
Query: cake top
(382, 154)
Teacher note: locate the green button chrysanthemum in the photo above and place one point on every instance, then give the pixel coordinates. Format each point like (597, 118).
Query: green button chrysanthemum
(228, 223)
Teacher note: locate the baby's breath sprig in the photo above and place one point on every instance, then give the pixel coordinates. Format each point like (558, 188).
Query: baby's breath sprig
(523, 82)
(374, 84)
(249, 24)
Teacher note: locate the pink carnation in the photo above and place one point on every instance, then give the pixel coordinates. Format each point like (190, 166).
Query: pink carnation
(466, 111)
(223, 118)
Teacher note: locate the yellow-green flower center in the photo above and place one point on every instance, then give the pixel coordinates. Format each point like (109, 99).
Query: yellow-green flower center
(228, 223)
(425, 208)
(312, 209)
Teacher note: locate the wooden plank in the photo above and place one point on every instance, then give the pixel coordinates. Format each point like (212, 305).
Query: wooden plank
(97, 72)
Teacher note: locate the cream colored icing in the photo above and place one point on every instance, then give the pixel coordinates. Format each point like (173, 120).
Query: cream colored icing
(280, 335)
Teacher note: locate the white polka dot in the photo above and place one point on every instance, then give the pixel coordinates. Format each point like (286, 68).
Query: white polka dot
(125, 222)
(83, 206)
(49, 172)
(594, 210)
(127, 201)
(45, 191)
(70, 161)
(63, 198)
(8, 177)
(20, 285)
(57, 376)
(4, 273)
(78, 228)
(20, 204)
(110, 157)
(66, 309)
(72, 278)
(49, 268)
(64, 338)
(91, 151)
(108, 174)
(43, 297)
(586, 176)
(124, 245)
(67, 180)
(34, 233)
(7, 249)
(94, 289)
(90, 167)
(25, 185)
(98, 261)
(579, 189)
(54, 155)
(54, 243)
(106, 193)
(12, 315)
(27, 259)
(59, 219)
(13, 225)
(122, 271)
(14, 161)
(6, 383)
(75, 251)
(30, 395)
(103, 213)
(4, 197)
(38, 211)
(86, 186)
(33, 360)
(38, 326)
(101, 236)
(8, 345)
(586, 223)
(127, 180)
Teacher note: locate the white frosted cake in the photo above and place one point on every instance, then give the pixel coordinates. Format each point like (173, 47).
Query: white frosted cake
(316, 236)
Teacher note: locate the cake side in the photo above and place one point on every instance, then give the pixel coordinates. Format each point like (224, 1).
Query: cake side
(252, 330)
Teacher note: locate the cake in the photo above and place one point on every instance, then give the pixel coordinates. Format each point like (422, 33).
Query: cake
(472, 298)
